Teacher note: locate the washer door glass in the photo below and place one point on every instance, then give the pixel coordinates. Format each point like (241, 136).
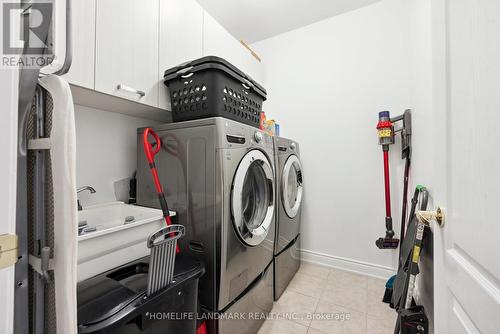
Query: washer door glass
(252, 198)
(291, 186)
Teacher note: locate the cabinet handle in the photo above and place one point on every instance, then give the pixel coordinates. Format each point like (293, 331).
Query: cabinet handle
(131, 90)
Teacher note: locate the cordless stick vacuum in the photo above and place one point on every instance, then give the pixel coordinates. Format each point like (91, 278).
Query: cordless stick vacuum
(386, 133)
(386, 138)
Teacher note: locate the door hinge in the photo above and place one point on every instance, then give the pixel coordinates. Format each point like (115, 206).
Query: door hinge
(8, 250)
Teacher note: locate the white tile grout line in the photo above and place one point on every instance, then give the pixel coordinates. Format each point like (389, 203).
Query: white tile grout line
(318, 300)
(314, 329)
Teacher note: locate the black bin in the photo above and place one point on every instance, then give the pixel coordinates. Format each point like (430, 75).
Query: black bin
(115, 302)
(211, 87)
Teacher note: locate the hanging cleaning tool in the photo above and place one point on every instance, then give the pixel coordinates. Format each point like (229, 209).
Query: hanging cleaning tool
(150, 156)
(411, 317)
(386, 138)
(405, 130)
(406, 246)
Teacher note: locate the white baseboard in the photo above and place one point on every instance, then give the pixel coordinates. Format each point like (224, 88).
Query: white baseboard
(359, 267)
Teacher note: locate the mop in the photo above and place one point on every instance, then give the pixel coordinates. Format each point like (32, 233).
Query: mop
(150, 156)
(406, 247)
(411, 319)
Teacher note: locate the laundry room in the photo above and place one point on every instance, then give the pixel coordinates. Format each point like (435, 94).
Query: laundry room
(251, 167)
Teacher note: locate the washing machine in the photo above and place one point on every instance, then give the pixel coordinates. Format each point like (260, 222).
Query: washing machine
(289, 193)
(218, 176)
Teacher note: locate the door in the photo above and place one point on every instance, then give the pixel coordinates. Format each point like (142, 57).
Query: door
(291, 186)
(252, 198)
(181, 38)
(466, 95)
(127, 49)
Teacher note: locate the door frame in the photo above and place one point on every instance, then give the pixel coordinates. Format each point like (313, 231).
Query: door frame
(440, 130)
(8, 175)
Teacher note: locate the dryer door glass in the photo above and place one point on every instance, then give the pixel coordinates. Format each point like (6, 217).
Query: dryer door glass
(291, 186)
(252, 198)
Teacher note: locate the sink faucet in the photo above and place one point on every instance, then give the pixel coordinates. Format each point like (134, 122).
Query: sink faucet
(79, 190)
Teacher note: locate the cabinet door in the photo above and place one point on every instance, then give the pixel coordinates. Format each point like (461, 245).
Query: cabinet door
(217, 41)
(127, 49)
(81, 72)
(181, 38)
(253, 67)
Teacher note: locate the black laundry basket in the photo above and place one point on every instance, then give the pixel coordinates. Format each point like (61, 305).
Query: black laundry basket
(115, 302)
(211, 87)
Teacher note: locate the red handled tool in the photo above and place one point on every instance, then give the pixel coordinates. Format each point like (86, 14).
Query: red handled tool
(386, 138)
(150, 156)
(202, 328)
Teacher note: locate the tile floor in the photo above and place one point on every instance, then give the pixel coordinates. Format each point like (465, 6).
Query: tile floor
(322, 300)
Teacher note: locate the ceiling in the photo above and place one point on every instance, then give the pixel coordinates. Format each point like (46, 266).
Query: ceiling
(255, 20)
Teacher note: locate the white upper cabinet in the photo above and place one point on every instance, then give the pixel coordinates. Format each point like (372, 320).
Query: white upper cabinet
(253, 67)
(123, 47)
(217, 41)
(127, 49)
(81, 72)
(181, 38)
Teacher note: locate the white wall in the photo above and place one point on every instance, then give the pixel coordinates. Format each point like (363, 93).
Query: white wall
(326, 84)
(106, 151)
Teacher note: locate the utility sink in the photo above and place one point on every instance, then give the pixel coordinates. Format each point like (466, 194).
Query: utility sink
(113, 234)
